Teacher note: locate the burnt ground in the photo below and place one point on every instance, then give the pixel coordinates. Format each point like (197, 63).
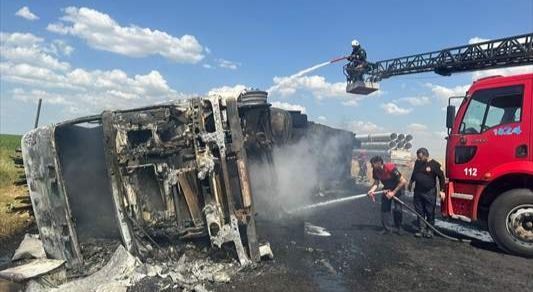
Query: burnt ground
(358, 258)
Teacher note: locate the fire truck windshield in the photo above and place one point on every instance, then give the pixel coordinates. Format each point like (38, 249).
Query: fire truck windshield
(492, 107)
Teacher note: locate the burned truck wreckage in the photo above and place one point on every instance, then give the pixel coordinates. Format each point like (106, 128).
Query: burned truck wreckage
(178, 170)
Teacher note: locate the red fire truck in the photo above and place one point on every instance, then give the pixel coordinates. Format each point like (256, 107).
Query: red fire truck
(489, 163)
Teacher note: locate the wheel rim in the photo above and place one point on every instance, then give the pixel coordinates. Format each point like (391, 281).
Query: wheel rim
(520, 224)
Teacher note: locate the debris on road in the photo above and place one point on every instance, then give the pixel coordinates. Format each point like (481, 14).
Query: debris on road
(31, 270)
(328, 266)
(30, 247)
(120, 272)
(315, 230)
(265, 251)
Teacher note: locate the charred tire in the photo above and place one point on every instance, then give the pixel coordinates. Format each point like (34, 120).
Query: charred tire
(511, 221)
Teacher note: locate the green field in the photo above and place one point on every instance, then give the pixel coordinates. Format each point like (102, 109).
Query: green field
(10, 223)
(8, 172)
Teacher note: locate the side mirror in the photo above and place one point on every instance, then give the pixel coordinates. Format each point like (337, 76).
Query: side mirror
(450, 116)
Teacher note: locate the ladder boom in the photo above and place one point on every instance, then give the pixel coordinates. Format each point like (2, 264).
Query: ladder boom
(505, 52)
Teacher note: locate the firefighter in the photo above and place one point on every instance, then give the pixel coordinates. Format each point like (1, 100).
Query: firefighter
(357, 61)
(358, 54)
(425, 174)
(395, 183)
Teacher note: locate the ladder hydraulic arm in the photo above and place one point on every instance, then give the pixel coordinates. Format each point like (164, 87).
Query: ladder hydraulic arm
(505, 52)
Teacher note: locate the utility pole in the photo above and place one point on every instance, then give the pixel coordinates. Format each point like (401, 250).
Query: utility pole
(38, 113)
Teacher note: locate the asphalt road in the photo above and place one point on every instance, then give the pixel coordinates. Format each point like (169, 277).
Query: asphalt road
(356, 257)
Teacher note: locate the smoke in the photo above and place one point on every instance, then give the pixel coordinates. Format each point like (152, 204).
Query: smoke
(317, 161)
(289, 181)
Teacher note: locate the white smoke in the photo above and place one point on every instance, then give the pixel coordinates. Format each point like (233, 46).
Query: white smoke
(300, 172)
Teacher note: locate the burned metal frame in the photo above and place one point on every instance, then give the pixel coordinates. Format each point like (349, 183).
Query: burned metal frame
(170, 172)
(177, 170)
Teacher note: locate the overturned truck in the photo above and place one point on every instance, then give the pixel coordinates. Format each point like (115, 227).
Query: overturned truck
(176, 170)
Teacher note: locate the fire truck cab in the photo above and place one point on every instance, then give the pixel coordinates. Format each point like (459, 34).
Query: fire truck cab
(489, 160)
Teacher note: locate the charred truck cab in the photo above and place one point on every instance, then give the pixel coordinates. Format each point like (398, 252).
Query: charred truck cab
(176, 170)
(489, 160)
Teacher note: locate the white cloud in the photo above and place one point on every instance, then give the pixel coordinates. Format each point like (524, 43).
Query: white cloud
(25, 13)
(315, 86)
(288, 106)
(226, 64)
(89, 91)
(415, 101)
(25, 48)
(35, 94)
(363, 127)
(417, 128)
(441, 134)
(25, 61)
(476, 40)
(228, 91)
(443, 93)
(102, 32)
(19, 39)
(207, 66)
(59, 47)
(393, 109)
(322, 118)
(503, 72)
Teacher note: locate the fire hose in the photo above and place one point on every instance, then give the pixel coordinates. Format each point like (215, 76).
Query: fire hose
(429, 224)
(382, 192)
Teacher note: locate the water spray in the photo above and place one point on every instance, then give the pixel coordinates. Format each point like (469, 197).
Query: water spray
(317, 66)
(330, 202)
(382, 192)
(309, 70)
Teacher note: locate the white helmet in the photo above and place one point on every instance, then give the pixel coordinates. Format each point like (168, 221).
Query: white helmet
(355, 43)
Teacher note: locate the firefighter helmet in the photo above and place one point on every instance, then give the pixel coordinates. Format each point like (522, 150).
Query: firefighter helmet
(355, 44)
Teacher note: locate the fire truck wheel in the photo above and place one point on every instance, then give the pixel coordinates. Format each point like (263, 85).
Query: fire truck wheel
(511, 221)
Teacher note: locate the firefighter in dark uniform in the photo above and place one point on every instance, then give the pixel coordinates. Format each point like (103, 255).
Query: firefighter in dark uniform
(395, 183)
(425, 174)
(358, 63)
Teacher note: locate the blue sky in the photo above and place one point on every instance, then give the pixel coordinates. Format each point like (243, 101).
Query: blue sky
(86, 56)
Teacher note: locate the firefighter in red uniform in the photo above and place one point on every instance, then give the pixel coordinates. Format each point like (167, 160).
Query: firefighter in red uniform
(394, 183)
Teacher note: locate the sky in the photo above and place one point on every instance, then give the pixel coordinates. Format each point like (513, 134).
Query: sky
(83, 57)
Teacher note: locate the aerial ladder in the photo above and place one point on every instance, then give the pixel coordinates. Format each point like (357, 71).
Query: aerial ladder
(504, 52)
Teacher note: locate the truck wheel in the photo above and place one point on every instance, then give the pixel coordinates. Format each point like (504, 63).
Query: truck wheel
(511, 221)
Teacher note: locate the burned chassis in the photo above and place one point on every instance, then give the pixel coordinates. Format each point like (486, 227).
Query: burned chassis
(176, 170)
